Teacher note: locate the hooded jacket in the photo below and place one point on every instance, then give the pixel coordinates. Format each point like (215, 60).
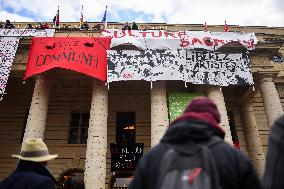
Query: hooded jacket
(29, 175)
(235, 169)
(274, 169)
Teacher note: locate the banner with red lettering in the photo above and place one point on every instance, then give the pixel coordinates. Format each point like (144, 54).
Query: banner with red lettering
(86, 55)
(167, 40)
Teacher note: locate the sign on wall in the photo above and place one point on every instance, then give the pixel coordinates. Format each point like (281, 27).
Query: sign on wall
(178, 101)
(124, 157)
(197, 67)
(8, 48)
(160, 39)
(86, 55)
(26, 32)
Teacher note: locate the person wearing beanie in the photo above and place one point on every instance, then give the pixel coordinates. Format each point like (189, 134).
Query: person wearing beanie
(198, 124)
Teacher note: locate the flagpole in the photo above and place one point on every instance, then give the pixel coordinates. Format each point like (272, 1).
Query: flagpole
(106, 19)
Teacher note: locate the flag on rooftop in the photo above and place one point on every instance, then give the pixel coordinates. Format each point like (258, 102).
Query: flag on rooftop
(205, 27)
(81, 17)
(56, 18)
(104, 20)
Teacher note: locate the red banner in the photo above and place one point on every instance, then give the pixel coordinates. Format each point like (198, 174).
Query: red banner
(86, 55)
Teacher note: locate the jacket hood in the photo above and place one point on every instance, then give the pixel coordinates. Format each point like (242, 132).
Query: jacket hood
(193, 126)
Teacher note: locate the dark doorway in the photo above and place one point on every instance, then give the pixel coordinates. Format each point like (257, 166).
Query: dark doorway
(125, 127)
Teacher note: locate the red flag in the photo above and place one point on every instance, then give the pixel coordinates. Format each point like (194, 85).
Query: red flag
(56, 18)
(82, 17)
(226, 27)
(205, 27)
(86, 55)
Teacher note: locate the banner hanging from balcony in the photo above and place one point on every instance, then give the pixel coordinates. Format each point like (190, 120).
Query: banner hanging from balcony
(197, 67)
(162, 40)
(26, 32)
(8, 48)
(9, 40)
(86, 55)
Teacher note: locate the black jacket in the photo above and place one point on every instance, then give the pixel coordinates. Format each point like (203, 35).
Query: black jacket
(29, 175)
(274, 169)
(235, 169)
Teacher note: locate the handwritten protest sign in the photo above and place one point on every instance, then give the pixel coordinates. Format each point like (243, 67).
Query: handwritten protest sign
(160, 39)
(197, 67)
(125, 157)
(26, 32)
(86, 55)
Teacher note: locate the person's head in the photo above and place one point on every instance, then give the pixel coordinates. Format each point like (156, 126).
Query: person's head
(35, 150)
(204, 104)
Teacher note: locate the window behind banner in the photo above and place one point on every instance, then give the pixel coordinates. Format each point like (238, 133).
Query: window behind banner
(125, 127)
(78, 131)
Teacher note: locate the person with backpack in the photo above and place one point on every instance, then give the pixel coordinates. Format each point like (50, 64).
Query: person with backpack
(193, 155)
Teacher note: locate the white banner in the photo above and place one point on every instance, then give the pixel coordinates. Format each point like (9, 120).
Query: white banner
(197, 67)
(160, 39)
(9, 40)
(8, 48)
(27, 32)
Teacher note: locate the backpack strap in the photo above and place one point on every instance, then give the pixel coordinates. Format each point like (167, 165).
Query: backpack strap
(210, 162)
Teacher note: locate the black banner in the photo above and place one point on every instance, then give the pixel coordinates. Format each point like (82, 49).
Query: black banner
(124, 157)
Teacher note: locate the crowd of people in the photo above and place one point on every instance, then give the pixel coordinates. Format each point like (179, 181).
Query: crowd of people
(192, 152)
(83, 26)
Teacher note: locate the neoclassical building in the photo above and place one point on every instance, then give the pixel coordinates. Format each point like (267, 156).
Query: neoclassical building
(80, 117)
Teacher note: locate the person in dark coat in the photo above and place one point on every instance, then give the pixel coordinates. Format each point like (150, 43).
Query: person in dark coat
(31, 171)
(134, 26)
(198, 123)
(274, 167)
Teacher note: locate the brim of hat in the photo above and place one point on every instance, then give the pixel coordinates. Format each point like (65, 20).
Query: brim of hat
(37, 159)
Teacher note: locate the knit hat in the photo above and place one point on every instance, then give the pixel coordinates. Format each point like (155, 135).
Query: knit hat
(203, 104)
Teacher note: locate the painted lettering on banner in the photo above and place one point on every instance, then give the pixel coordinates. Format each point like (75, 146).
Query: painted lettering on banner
(160, 39)
(197, 67)
(26, 32)
(82, 54)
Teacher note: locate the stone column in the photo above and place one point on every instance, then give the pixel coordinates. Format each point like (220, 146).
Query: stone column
(271, 100)
(215, 93)
(252, 136)
(95, 163)
(36, 121)
(159, 112)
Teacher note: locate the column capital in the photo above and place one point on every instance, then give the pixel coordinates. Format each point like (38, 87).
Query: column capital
(267, 76)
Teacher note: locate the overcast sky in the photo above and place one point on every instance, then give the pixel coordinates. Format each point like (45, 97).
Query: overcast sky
(214, 12)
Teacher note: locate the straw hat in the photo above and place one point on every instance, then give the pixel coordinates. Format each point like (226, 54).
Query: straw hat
(35, 150)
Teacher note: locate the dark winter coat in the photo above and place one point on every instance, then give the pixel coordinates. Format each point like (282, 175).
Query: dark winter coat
(235, 169)
(29, 175)
(274, 169)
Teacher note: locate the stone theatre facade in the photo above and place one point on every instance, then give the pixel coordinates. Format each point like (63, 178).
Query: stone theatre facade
(80, 117)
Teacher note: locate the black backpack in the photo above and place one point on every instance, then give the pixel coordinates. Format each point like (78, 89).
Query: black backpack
(193, 168)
